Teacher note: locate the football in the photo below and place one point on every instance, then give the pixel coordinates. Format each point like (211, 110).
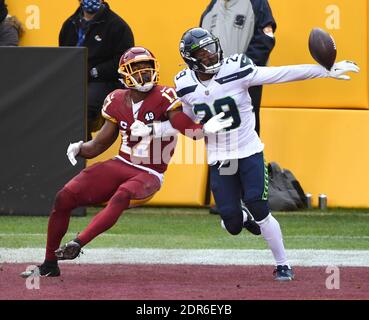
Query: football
(322, 47)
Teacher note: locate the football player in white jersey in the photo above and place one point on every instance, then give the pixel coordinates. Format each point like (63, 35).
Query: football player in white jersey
(238, 175)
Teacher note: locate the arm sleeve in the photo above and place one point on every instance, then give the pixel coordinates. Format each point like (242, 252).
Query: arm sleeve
(164, 129)
(62, 35)
(269, 75)
(261, 44)
(186, 126)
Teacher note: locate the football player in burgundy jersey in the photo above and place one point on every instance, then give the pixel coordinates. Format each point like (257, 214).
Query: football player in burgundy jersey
(139, 113)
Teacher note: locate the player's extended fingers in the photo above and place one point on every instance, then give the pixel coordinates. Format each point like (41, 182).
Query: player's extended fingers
(227, 122)
(69, 150)
(134, 126)
(72, 159)
(348, 66)
(344, 77)
(355, 68)
(353, 62)
(137, 124)
(219, 115)
(351, 67)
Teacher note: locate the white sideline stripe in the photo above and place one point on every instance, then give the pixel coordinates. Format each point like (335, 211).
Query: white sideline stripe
(112, 235)
(359, 258)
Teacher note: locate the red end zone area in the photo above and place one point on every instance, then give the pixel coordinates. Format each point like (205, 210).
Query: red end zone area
(183, 282)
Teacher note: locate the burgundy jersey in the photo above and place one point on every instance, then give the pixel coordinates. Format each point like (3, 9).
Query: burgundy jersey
(152, 153)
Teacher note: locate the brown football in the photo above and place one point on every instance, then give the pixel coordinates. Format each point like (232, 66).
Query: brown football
(322, 47)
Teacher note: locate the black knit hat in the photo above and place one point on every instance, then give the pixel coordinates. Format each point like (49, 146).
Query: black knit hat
(3, 10)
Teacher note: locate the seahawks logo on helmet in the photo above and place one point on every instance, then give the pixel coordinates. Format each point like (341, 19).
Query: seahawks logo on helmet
(198, 38)
(204, 41)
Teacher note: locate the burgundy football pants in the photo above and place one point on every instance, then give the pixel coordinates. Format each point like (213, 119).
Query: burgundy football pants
(113, 181)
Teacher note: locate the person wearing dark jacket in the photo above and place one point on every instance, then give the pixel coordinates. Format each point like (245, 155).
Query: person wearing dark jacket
(106, 35)
(3, 10)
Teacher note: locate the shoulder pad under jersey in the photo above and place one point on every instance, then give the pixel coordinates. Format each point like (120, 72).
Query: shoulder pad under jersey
(185, 83)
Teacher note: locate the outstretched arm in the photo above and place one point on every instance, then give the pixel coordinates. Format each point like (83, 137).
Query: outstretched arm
(269, 75)
(103, 140)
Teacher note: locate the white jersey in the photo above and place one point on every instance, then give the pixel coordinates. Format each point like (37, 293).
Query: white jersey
(228, 92)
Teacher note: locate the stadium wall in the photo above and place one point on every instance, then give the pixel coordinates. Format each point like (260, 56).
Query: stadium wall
(347, 22)
(317, 128)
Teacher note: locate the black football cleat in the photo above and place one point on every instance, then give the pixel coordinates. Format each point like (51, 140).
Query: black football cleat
(250, 224)
(283, 273)
(44, 270)
(69, 251)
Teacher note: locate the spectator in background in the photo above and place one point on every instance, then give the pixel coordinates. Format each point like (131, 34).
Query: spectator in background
(243, 26)
(11, 29)
(106, 35)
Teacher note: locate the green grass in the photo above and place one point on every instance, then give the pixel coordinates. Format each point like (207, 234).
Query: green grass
(197, 229)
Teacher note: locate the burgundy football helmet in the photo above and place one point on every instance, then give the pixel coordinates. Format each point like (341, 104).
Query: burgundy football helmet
(139, 69)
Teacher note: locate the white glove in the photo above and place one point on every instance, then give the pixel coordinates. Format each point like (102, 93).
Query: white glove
(73, 150)
(215, 124)
(163, 129)
(139, 129)
(339, 69)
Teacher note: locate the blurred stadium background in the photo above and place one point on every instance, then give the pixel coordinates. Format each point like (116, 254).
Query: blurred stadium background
(318, 129)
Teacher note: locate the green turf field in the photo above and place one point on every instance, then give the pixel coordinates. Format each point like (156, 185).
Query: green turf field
(197, 229)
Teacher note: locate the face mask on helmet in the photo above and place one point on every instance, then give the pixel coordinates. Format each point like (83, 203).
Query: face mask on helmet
(91, 6)
(201, 51)
(139, 69)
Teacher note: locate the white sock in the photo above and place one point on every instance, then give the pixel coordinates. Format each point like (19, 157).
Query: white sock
(244, 216)
(222, 224)
(271, 231)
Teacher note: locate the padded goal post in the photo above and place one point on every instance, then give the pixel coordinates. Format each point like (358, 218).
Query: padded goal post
(42, 109)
